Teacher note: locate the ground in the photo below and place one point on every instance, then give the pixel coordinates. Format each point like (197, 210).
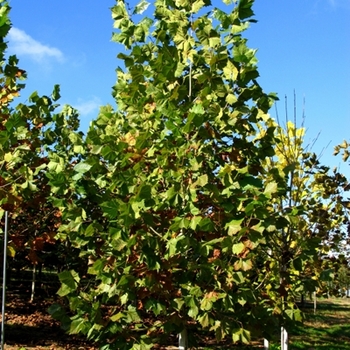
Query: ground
(28, 325)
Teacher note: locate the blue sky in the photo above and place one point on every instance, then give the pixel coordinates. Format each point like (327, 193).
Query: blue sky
(303, 46)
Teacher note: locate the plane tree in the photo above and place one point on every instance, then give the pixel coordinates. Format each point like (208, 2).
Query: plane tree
(34, 137)
(173, 200)
(314, 220)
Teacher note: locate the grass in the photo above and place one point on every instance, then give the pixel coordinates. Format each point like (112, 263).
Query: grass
(328, 329)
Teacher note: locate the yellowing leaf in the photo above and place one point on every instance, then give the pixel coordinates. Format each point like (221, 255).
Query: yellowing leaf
(300, 133)
(117, 317)
(204, 320)
(202, 180)
(230, 71)
(11, 251)
(234, 226)
(238, 248)
(231, 99)
(270, 189)
(243, 265)
(8, 157)
(129, 139)
(197, 5)
(344, 144)
(241, 335)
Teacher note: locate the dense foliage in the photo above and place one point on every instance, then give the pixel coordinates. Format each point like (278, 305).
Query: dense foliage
(34, 140)
(189, 207)
(314, 218)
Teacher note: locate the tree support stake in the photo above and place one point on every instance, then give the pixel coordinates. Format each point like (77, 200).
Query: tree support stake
(4, 284)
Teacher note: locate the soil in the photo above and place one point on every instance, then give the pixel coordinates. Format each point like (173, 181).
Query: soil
(28, 325)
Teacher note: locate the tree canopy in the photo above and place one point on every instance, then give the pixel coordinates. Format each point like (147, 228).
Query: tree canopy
(188, 206)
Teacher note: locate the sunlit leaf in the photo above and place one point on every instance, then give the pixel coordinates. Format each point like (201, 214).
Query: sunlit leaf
(141, 7)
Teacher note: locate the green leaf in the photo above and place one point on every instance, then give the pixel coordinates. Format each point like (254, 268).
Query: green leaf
(193, 312)
(156, 307)
(206, 304)
(234, 226)
(141, 7)
(298, 264)
(204, 320)
(198, 108)
(327, 275)
(82, 167)
(111, 208)
(245, 9)
(78, 326)
(238, 277)
(294, 315)
(206, 224)
(230, 71)
(179, 303)
(69, 280)
(145, 192)
(124, 280)
(179, 69)
(194, 222)
(116, 317)
(56, 93)
(241, 335)
(97, 267)
(171, 246)
(4, 9)
(132, 315)
(57, 312)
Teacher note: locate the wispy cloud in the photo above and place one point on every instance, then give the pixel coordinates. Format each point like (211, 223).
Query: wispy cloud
(330, 5)
(86, 107)
(339, 3)
(23, 44)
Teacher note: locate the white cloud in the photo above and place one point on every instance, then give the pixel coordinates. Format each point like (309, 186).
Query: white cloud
(23, 44)
(89, 106)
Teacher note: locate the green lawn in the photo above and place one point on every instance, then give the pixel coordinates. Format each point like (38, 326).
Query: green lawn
(328, 329)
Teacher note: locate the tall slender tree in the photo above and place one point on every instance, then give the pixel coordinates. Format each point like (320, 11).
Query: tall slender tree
(172, 201)
(313, 221)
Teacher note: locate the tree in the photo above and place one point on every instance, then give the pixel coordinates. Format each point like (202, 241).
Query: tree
(33, 138)
(172, 193)
(313, 220)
